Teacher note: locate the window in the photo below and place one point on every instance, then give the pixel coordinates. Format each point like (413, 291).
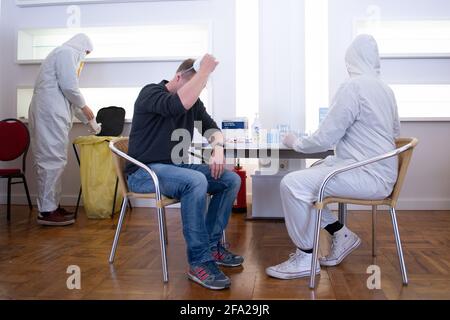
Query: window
(409, 38)
(127, 43)
(96, 98)
(423, 101)
(247, 59)
(316, 61)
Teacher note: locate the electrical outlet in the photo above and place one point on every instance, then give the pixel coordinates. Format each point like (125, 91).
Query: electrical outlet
(284, 164)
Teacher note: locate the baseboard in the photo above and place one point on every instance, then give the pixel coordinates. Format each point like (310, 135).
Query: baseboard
(410, 204)
(71, 200)
(423, 204)
(403, 204)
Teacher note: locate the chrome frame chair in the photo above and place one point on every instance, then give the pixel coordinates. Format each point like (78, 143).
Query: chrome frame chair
(119, 148)
(405, 147)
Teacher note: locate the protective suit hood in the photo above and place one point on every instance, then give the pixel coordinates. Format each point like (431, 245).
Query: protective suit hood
(81, 43)
(362, 57)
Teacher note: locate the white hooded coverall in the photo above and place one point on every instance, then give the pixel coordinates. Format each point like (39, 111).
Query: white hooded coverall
(362, 123)
(56, 99)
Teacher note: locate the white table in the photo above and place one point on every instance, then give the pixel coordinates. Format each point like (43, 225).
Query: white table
(260, 151)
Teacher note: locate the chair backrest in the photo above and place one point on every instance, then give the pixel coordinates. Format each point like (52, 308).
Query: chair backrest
(120, 144)
(14, 140)
(403, 162)
(112, 120)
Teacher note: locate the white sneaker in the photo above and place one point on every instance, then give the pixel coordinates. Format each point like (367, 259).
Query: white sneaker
(343, 243)
(298, 265)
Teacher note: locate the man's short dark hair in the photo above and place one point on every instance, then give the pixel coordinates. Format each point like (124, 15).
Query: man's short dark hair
(185, 66)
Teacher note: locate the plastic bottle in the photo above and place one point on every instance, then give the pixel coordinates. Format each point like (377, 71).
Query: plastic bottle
(256, 128)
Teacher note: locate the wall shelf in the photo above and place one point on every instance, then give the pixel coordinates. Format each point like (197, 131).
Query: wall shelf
(408, 39)
(115, 60)
(158, 42)
(37, 3)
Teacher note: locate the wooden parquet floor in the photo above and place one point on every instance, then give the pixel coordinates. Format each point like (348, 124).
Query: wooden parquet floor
(34, 259)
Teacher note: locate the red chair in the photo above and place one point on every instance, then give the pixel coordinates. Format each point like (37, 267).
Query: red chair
(14, 142)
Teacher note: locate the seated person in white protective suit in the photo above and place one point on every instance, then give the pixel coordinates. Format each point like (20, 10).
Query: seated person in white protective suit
(362, 123)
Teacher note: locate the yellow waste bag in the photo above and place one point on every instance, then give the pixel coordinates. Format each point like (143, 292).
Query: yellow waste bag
(98, 176)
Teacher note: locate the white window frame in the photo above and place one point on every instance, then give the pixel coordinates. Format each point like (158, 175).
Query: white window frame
(396, 55)
(416, 87)
(207, 25)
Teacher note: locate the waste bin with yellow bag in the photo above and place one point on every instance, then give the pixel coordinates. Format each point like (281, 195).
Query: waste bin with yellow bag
(98, 177)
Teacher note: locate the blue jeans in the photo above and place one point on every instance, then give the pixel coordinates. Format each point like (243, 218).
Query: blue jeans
(190, 183)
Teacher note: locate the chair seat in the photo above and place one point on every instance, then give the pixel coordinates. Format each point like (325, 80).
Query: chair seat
(9, 172)
(363, 202)
(165, 201)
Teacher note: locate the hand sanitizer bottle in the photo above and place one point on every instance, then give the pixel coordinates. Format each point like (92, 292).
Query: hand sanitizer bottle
(256, 128)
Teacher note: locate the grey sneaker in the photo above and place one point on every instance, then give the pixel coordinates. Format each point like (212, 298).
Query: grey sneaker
(226, 258)
(209, 275)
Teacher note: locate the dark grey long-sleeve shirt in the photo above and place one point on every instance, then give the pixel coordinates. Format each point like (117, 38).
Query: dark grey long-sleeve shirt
(157, 113)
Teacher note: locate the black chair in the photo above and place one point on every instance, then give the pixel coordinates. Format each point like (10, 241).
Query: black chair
(113, 120)
(14, 142)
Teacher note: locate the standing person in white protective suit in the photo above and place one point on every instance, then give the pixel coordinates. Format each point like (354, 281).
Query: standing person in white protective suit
(56, 99)
(362, 123)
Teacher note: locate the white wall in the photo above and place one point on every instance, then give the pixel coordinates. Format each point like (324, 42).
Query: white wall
(220, 13)
(282, 79)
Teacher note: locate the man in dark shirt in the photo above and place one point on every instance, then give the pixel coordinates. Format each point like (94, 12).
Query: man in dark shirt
(161, 112)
